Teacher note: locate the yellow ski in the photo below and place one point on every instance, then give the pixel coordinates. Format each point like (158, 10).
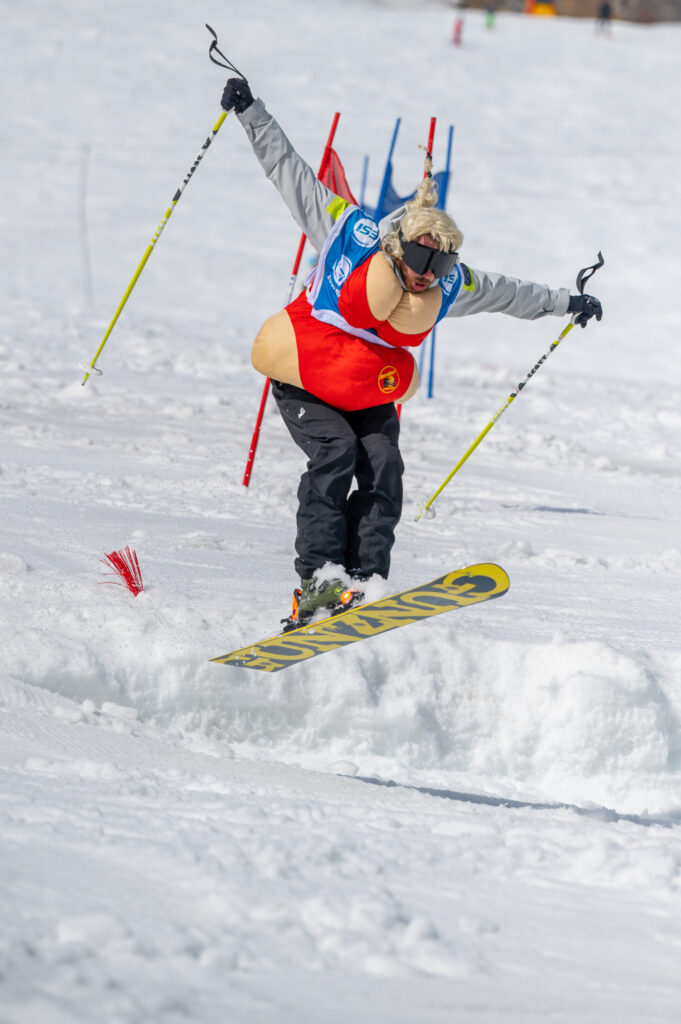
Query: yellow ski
(456, 589)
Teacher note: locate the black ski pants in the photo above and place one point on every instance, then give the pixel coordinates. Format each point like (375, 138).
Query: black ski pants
(355, 530)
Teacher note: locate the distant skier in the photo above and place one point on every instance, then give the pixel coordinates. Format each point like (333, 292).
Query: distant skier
(339, 357)
(604, 20)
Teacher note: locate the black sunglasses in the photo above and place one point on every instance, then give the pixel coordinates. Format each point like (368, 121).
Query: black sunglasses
(421, 258)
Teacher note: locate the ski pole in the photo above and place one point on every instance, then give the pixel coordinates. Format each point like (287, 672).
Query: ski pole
(323, 167)
(582, 277)
(92, 367)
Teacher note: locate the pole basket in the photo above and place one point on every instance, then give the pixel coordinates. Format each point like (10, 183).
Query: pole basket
(125, 565)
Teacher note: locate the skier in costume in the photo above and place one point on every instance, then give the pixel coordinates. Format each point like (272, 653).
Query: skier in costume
(339, 355)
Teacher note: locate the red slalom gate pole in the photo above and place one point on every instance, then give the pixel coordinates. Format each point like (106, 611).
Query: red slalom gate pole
(431, 139)
(263, 399)
(326, 156)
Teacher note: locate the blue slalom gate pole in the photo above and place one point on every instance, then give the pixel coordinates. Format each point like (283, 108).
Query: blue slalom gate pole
(386, 177)
(363, 187)
(431, 367)
(442, 199)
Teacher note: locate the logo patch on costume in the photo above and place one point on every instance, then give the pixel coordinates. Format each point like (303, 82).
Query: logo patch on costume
(388, 380)
(365, 232)
(341, 269)
(447, 283)
(468, 280)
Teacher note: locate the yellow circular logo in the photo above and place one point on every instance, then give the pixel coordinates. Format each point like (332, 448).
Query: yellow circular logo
(388, 380)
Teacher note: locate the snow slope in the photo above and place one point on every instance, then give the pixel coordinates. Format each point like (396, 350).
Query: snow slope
(474, 819)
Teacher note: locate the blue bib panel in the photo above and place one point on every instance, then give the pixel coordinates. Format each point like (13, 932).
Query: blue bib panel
(353, 240)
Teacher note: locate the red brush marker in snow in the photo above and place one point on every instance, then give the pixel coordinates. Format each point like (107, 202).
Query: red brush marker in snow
(125, 564)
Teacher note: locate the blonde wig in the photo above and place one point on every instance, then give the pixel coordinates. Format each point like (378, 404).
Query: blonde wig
(422, 218)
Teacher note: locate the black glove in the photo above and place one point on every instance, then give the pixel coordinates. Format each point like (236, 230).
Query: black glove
(585, 306)
(237, 95)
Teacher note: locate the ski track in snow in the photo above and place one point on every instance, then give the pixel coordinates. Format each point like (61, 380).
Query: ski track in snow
(472, 819)
(194, 877)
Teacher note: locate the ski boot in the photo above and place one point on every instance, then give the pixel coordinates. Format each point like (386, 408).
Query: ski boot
(333, 595)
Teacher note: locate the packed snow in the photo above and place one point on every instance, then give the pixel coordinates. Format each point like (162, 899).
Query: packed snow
(473, 819)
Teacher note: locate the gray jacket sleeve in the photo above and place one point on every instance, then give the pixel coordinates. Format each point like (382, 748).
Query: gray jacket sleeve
(306, 197)
(484, 292)
(315, 209)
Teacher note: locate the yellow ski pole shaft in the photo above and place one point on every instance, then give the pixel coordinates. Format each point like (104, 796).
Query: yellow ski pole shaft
(92, 368)
(423, 509)
(582, 277)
